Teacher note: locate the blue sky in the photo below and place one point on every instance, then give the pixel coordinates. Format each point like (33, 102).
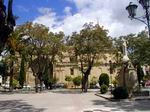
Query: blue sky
(27, 10)
(70, 15)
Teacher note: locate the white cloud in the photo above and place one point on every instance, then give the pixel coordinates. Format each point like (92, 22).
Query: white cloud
(110, 13)
(67, 11)
(45, 11)
(49, 19)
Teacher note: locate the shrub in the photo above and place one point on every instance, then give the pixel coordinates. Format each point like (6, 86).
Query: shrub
(68, 78)
(114, 82)
(104, 89)
(77, 81)
(120, 93)
(53, 80)
(15, 83)
(93, 82)
(104, 79)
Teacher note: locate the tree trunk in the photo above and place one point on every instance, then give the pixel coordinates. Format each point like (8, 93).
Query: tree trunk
(41, 85)
(51, 69)
(41, 81)
(82, 82)
(36, 83)
(11, 77)
(85, 82)
(85, 78)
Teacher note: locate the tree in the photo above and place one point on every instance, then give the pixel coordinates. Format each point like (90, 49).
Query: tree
(14, 47)
(140, 74)
(22, 74)
(88, 46)
(140, 45)
(42, 48)
(7, 22)
(136, 46)
(11, 60)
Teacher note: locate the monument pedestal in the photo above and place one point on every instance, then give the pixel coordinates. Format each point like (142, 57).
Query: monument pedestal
(127, 77)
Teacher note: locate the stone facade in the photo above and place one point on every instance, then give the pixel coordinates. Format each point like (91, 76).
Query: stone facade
(68, 68)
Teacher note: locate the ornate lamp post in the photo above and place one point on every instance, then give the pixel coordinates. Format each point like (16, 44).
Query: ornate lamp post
(131, 8)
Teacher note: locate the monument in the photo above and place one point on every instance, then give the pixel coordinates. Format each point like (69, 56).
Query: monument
(127, 76)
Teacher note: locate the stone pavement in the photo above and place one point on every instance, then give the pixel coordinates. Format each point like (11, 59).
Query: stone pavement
(109, 96)
(67, 101)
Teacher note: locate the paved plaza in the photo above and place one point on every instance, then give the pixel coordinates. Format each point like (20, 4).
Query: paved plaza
(67, 101)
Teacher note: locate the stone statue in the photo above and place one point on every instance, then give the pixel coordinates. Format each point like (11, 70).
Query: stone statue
(7, 22)
(124, 47)
(125, 52)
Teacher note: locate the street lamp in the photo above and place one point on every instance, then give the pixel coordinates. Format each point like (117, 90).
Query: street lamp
(132, 8)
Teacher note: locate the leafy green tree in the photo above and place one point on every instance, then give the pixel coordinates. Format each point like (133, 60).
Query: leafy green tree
(140, 46)
(42, 48)
(137, 45)
(15, 47)
(140, 74)
(88, 46)
(117, 50)
(22, 74)
(12, 44)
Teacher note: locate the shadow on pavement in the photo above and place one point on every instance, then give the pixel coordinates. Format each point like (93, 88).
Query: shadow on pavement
(16, 92)
(17, 106)
(67, 91)
(73, 91)
(128, 106)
